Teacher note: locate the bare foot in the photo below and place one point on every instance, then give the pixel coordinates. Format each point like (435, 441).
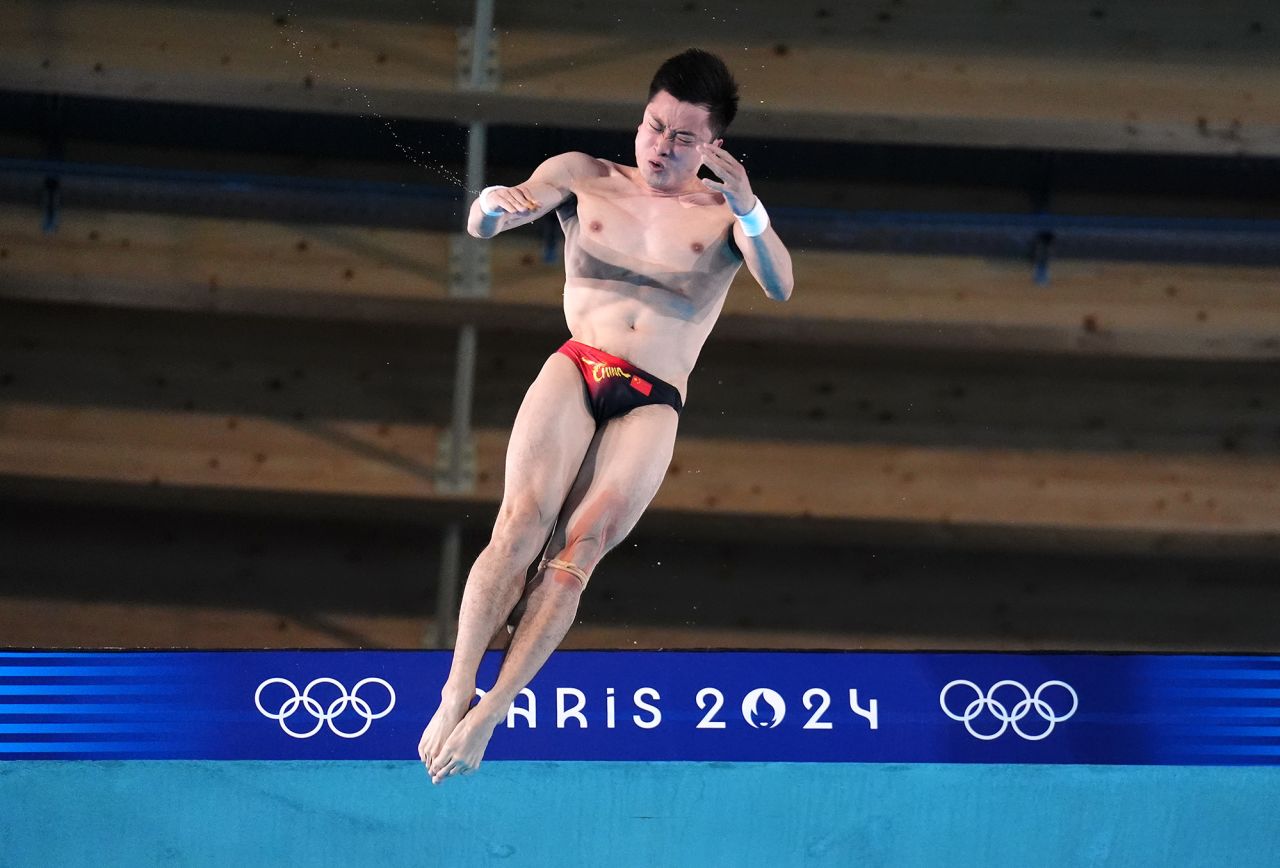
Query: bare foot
(465, 746)
(452, 709)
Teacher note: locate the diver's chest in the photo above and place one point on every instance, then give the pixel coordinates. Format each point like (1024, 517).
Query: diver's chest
(661, 231)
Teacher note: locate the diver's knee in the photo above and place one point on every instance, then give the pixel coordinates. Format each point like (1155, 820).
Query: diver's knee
(518, 533)
(566, 573)
(586, 543)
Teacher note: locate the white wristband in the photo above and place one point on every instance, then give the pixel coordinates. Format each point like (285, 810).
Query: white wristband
(755, 221)
(480, 199)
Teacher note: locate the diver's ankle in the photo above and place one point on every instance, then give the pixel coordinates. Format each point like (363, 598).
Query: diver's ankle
(457, 695)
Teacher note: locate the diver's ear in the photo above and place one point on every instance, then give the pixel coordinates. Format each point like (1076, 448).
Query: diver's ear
(719, 143)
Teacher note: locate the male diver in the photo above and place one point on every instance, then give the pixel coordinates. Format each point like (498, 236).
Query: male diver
(650, 251)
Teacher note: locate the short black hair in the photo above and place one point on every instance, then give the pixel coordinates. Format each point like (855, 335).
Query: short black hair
(700, 77)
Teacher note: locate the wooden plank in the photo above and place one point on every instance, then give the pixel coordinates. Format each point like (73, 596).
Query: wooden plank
(52, 623)
(1195, 498)
(39, 622)
(1092, 308)
(321, 456)
(313, 576)
(742, 390)
(1155, 77)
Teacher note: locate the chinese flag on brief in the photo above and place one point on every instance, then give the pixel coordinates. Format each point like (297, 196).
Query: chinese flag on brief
(641, 386)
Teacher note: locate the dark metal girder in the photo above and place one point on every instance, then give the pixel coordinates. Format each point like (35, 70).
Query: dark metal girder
(440, 208)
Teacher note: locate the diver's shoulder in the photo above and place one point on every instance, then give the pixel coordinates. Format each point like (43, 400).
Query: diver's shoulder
(585, 166)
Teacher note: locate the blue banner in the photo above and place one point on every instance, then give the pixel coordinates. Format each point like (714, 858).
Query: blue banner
(652, 706)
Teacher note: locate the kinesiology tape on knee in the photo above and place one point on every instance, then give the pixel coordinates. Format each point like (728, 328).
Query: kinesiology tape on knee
(568, 568)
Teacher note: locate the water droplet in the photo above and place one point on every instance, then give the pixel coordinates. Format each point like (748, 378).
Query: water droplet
(420, 161)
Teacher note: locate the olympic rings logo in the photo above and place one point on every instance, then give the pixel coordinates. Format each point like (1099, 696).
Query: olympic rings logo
(320, 713)
(1008, 717)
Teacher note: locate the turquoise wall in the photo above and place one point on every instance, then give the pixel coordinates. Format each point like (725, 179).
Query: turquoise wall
(136, 813)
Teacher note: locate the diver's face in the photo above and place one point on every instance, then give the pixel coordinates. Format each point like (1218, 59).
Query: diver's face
(667, 141)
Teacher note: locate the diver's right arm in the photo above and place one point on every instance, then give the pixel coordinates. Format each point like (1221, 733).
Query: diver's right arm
(498, 209)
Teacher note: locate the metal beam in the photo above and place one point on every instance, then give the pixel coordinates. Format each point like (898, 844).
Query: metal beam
(1214, 241)
(470, 280)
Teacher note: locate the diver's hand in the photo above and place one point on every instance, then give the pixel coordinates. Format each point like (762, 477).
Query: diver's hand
(513, 200)
(733, 184)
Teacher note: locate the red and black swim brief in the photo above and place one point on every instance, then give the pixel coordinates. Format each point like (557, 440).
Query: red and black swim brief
(614, 385)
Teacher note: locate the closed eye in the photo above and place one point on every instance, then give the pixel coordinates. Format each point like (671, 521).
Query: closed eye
(682, 138)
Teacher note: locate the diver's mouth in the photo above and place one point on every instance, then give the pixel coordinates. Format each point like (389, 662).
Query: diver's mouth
(656, 166)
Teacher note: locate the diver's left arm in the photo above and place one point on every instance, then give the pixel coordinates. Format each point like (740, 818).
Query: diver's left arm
(767, 259)
(762, 250)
